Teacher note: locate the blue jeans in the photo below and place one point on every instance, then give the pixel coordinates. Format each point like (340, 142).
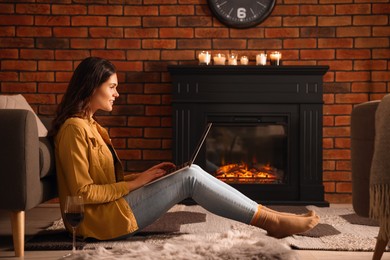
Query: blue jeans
(150, 202)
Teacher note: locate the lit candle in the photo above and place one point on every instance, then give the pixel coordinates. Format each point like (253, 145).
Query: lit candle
(219, 59)
(204, 58)
(275, 58)
(261, 59)
(244, 60)
(232, 59)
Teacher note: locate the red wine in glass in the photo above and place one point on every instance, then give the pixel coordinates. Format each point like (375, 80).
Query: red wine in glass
(74, 218)
(74, 214)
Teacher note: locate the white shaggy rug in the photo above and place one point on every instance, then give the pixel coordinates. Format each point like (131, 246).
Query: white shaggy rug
(227, 245)
(219, 239)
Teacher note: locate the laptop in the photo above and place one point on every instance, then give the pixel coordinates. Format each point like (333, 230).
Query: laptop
(188, 164)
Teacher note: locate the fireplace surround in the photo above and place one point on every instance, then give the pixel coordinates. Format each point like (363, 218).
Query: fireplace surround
(266, 138)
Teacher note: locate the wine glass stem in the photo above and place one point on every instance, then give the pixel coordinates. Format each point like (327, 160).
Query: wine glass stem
(74, 239)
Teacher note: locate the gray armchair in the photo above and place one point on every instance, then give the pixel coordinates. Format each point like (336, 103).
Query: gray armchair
(27, 170)
(370, 161)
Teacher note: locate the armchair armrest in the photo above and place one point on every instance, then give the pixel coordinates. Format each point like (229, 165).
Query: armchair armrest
(362, 150)
(19, 160)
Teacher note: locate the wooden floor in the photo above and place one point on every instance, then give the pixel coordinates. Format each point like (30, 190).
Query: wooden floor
(42, 216)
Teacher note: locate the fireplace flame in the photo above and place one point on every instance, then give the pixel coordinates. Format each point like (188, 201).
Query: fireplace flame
(242, 173)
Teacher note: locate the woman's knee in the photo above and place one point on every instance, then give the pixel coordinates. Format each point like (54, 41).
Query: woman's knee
(192, 171)
(195, 172)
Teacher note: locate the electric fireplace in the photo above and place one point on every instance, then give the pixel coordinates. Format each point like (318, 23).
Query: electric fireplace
(266, 138)
(247, 153)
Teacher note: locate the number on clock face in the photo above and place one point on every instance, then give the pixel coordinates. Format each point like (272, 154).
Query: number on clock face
(241, 13)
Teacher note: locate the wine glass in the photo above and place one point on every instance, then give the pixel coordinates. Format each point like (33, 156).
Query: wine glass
(74, 214)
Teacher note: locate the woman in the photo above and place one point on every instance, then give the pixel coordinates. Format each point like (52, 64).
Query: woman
(118, 205)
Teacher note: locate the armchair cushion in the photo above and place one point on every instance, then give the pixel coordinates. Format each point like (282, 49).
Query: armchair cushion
(19, 102)
(46, 158)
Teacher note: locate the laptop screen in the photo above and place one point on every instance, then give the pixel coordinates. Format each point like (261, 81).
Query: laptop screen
(201, 141)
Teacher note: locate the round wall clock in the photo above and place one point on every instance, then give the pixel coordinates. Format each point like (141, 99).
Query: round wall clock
(241, 13)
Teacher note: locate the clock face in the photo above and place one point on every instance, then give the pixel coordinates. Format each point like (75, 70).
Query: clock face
(241, 13)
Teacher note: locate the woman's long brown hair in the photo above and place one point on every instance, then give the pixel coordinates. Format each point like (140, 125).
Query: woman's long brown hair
(89, 75)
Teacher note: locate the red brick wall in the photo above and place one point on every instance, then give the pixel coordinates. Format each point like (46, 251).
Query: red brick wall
(41, 44)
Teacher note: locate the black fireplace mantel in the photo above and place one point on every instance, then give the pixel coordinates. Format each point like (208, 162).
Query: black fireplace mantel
(204, 94)
(255, 84)
(247, 69)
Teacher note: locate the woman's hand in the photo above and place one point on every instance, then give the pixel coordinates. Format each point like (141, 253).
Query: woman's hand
(154, 172)
(166, 166)
(151, 174)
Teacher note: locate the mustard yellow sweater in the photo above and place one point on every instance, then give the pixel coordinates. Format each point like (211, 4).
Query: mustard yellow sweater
(86, 167)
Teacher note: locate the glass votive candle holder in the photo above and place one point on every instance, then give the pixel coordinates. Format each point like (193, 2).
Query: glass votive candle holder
(275, 58)
(232, 60)
(219, 59)
(204, 58)
(261, 59)
(244, 60)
